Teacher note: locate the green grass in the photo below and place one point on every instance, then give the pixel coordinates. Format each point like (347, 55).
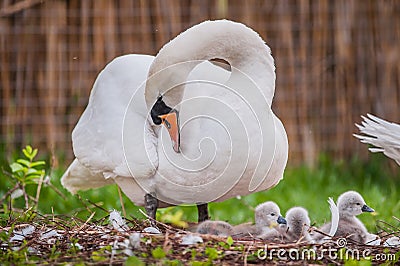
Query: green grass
(302, 186)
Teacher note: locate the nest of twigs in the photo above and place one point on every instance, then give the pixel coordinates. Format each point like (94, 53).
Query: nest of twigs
(60, 239)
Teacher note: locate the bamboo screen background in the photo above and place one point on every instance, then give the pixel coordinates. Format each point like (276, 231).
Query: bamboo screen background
(336, 60)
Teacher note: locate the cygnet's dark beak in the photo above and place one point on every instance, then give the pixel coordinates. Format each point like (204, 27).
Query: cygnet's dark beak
(281, 220)
(366, 208)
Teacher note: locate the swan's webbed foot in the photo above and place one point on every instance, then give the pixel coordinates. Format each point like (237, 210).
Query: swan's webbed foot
(203, 212)
(150, 205)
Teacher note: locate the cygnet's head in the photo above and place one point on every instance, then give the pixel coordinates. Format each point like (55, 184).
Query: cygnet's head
(298, 221)
(218, 228)
(351, 203)
(268, 214)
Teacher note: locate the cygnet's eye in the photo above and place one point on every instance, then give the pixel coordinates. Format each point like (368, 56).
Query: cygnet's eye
(358, 204)
(272, 214)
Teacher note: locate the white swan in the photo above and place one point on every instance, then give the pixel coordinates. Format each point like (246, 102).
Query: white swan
(382, 134)
(226, 142)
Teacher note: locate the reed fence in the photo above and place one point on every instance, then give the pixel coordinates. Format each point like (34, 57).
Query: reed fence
(335, 61)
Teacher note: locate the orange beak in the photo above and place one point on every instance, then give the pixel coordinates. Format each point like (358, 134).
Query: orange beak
(171, 122)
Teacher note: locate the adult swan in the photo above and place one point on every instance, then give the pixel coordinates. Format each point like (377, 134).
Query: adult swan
(177, 129)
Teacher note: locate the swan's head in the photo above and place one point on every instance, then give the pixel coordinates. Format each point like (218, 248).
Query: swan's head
(352, 203)
(162, 114)
(297, 220)
(268, 214)
(163, 96)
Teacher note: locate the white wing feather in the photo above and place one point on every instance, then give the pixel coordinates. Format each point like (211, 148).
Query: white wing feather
(335, 217)
(384, 135)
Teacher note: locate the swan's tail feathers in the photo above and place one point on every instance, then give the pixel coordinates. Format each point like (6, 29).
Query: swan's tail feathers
(384, 135)
(335, 217)
(78, 177)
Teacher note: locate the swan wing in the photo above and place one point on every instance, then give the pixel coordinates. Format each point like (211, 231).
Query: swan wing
(384, 135)
(98, 137)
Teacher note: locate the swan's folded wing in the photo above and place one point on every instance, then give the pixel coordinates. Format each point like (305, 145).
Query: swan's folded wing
(98, 136)
(385, 136)
(78, 177)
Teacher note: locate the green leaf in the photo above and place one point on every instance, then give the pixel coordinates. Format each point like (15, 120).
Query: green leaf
(33, 171)
(98, 256)
(172, 262)
(16, 167)
(134, 261)
(34, 153)
(158, 253)
(229, 241)
(200, 263)
(24, 162)
(38, 163)
(193, 253)
(211, 253)
(28, 148)
(34, 179)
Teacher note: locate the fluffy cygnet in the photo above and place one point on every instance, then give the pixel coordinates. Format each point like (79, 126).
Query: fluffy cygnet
(296, 229)
(298, 224)
(350, 204)
(218, 228)
(267, 217)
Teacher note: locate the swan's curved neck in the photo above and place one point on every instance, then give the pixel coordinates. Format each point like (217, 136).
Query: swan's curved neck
(239, 45)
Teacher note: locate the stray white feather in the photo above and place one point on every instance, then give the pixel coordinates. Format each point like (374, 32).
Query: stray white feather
(134, 240)
(19, 235)
(334, 217)
(117, 221)
(394, 241)
(151, 230)
(49, 234)
(373, 240)
(191, 239)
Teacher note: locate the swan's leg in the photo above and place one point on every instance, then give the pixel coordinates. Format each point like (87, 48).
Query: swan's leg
(203, 212)
(151, 204)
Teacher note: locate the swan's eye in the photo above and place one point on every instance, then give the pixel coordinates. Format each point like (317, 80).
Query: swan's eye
(272, 214)
(358, 204)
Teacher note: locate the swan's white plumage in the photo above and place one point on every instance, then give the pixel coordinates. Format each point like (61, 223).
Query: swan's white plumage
(116, 139)
(78, 177)
(97, 138)
(384, 135)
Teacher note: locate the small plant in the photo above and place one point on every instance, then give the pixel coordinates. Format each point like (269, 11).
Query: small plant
(172, 216)
(26, 171)
(158, 253)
